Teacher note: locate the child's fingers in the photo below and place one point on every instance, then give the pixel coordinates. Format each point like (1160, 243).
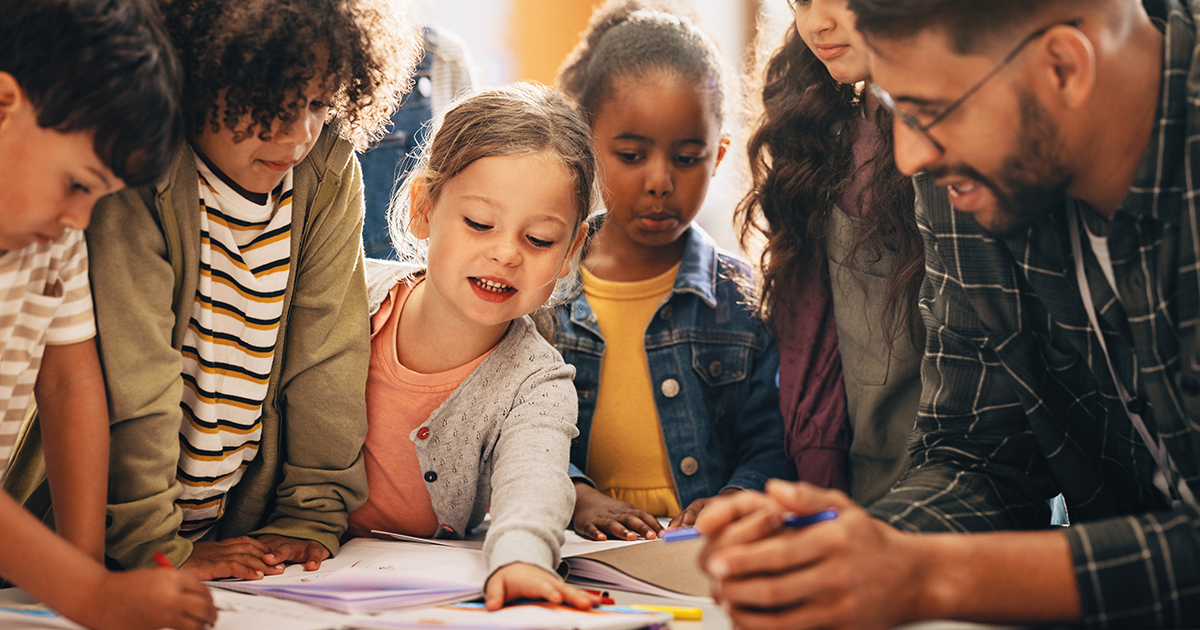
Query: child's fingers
(591, 531)
(316, 553)
(494, 595)
(551, 590)
(578, 598)
(198, 608)
(246, 540)
(644, 523)
(617, 530)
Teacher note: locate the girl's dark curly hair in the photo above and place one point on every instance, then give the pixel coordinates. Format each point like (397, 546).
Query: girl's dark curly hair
(801, 163)
(257, 56)
(629, 38)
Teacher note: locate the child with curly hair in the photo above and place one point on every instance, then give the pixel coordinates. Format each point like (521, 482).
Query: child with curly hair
(675, 372)
(89, 103)
(230, 297)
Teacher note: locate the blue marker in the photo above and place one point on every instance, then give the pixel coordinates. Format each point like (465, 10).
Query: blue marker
(791, 522)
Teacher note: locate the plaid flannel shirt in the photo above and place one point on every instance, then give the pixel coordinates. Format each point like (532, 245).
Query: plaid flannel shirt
(1018, 403)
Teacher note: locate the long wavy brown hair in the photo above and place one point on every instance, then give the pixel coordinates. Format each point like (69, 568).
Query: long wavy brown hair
(801, 156)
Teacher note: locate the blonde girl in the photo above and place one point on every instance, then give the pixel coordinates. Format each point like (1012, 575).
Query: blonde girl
(467, 406)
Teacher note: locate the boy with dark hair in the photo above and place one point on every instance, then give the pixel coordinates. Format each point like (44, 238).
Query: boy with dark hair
(1055, 148)
(230, 298)
(88, 103)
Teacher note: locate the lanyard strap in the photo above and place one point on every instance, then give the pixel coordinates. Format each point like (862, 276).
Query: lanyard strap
(1166, 478)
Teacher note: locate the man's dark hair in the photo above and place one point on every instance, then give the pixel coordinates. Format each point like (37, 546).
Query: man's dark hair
(104, 66)
(968, 24)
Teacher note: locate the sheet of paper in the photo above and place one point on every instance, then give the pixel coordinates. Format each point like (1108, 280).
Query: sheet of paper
(527, 617)
(241, 611)
(370, 575)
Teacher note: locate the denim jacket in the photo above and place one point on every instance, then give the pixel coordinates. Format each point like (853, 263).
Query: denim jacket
(712, 366)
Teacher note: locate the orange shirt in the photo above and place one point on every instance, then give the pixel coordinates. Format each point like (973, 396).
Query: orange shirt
(398, 402)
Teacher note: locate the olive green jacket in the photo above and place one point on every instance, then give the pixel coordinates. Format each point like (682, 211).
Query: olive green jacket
(144, 269)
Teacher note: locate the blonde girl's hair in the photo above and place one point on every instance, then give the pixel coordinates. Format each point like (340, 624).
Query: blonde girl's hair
(518, 119)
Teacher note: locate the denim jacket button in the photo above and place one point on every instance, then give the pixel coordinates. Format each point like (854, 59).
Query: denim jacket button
(670, 388)
(666, 313)
(689, 466)
(715, 369)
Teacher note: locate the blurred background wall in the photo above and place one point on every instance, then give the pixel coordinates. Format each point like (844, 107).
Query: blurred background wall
(527, 40)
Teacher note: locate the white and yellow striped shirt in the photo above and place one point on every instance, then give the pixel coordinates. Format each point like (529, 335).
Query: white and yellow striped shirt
(245, 252)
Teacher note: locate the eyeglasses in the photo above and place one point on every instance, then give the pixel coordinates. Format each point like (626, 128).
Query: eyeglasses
(911, 121)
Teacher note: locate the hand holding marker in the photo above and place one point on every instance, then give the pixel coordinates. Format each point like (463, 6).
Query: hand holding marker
(791, 522)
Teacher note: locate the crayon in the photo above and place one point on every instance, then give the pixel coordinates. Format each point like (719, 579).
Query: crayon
(791, 522)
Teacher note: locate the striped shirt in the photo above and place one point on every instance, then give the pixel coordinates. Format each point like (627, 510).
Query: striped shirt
(1018, 402)
(44, 300)
(230, 342)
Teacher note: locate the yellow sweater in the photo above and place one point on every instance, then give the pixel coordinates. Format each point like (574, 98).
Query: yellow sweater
(626, 455)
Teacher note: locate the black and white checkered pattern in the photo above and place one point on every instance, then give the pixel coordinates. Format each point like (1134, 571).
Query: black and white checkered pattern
(1018, 404)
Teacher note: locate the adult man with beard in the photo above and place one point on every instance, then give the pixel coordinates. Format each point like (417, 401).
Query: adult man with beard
(1062, 132)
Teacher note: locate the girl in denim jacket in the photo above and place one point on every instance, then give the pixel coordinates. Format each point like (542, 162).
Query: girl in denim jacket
(675, 373)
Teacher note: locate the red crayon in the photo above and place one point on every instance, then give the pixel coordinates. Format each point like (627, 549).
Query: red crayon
(161, 560)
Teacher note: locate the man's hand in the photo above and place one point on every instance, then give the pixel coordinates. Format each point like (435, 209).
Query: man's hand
(853, 571)
(294, 551)
(687, 517)
(598, 516)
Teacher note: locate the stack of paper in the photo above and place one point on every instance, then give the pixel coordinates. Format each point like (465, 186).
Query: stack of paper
(652, 567)
(375, 575)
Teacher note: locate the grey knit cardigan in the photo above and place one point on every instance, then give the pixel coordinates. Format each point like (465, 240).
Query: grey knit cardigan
(502, 438)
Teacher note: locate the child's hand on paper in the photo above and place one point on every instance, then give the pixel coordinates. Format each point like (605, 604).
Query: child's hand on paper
(240, 557)
(294, 550)
(520, 580)
(599, 516)
(687, 517)
(143, 599)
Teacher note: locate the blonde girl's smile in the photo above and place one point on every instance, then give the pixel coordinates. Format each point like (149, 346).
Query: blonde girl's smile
(492, 290)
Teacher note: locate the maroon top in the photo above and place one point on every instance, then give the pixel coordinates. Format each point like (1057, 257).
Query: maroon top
(812, 396)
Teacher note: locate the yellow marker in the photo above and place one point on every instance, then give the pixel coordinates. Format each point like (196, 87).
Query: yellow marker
(679, 612)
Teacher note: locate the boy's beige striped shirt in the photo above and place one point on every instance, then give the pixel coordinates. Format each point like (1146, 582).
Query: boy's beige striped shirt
(44, 299)
(230, 343)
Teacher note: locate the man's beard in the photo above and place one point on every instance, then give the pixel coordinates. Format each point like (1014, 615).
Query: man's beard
(1032, 181)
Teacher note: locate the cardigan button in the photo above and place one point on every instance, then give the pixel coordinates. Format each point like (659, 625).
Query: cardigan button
(689, 466)
(670, 388)
(431, 476)
(422, 433)
(1135, 405)
(715, 369)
